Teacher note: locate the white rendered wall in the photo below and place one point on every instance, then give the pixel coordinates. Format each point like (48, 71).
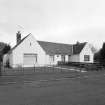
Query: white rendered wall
(75, 58)
(86, 51)
(29, 45)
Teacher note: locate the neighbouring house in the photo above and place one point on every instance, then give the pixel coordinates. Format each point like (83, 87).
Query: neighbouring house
(29, 52)
(82, 52)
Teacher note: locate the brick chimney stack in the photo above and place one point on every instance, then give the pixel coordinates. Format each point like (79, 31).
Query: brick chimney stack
(18, 37)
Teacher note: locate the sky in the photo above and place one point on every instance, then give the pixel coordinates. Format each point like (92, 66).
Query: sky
(64, 21)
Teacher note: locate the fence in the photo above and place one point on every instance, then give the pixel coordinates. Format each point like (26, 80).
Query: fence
(50, 69)
(86, 66)
(30, 70)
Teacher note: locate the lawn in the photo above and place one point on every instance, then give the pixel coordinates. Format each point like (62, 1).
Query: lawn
(53, 88)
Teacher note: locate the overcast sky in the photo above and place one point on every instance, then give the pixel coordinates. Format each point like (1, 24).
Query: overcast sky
(65, 21)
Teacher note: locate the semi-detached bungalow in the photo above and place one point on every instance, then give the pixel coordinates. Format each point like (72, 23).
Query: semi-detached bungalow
(29, 52)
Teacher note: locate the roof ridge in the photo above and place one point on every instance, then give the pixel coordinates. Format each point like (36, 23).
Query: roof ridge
(77, 48)
(56, 48)
(19, 43)
(80, 43)
(55, 42)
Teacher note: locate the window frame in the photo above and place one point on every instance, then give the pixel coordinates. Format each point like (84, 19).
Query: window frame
(52, 57)
(86, 57)
(63, 58)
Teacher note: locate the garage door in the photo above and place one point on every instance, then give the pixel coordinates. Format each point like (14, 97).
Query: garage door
(30, 60)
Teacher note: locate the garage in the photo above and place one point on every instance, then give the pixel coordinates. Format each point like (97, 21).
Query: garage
(30, 59)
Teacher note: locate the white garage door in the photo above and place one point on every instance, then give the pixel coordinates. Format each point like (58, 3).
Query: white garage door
(30, 60)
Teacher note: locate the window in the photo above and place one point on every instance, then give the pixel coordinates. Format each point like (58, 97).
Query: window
(63, 58)
(86, 58)
(69, 57)
(52, 58)
(36, 58)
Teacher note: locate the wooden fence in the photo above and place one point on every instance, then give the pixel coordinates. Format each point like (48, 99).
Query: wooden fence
(29, 70)
(86, 66)
(51, 69)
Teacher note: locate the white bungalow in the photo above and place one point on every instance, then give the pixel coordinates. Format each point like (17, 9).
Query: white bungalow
(82, 52)
(29, 52)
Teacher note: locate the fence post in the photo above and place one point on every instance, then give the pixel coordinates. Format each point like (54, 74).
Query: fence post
(53, 67)
(18, 69)
(23, 69)
(34, 67)
(61, 69)
(0, 69)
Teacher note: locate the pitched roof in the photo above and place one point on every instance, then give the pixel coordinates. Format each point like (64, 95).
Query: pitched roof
(56, 48)
(18, 43)
(77, 48)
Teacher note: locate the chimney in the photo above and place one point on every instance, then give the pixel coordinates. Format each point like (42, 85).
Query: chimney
(18, 37)
(77, 43)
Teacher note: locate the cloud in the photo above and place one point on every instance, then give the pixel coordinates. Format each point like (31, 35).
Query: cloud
(54, 20)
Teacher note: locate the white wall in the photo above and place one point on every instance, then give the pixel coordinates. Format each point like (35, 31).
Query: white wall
(66, 58)
(57, 58)
(86, 51)
(80, 57)
(17, 55)
(25, 47)
(75, 58)
(47, 57)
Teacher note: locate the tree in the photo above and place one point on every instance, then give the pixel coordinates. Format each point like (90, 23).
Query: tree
(4, 48)
(100, 56)
(97, 57)
(102, 52)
